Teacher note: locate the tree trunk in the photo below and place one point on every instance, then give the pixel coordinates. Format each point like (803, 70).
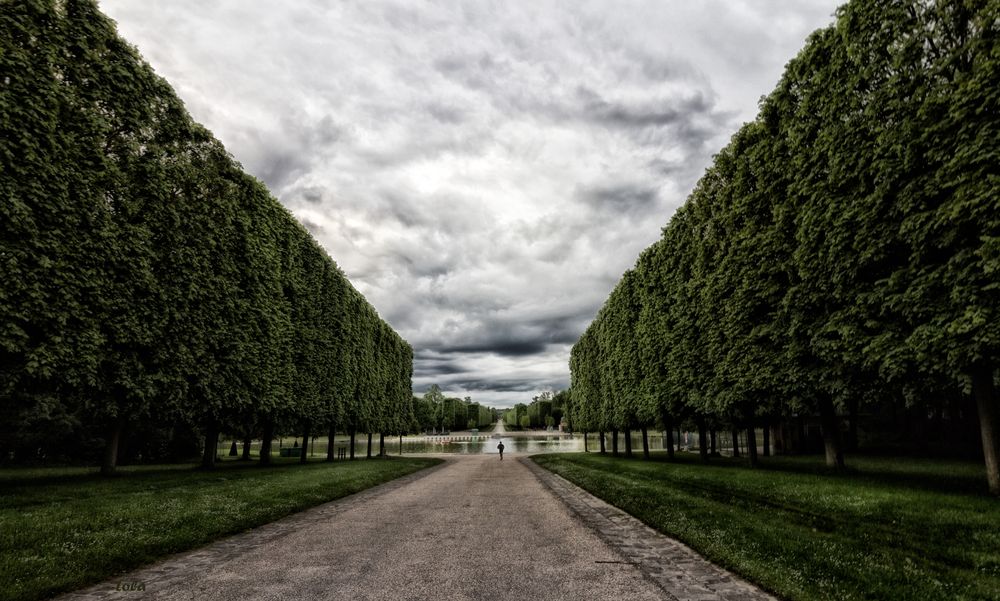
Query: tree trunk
(585, 449)
(831, 433)
(899, 418)
(330, 442)
(982, 389)
(369, 455)
(736, 442)
(711, 442)
(970, 425)
(767, 438)
(265, 443)
(211, 442)
(400, 445)
(354, 434)
(247, 443)
(614, 442)
(752, 444)
(604, 449)
(670, 440)
(702, 440)
(645, 443)
(852, 425)
(800, 435)
(628, 443)
(381, 444)
(779, 433)
(304, 454)
(111, 447)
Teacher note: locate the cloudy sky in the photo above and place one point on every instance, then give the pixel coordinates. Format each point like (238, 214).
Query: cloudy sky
(483, 172)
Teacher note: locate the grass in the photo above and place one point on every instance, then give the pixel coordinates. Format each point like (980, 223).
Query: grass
(889, 528)
(65, 528)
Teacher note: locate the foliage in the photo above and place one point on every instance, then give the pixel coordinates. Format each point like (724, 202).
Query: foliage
(434, 411)
(546, 409)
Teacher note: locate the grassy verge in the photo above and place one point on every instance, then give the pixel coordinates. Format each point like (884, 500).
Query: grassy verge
(891, 528)
(64, 528)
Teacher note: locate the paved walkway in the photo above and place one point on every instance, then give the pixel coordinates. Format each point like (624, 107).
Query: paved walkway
(474, 528)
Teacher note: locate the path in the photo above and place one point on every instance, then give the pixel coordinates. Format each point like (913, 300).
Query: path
(473, 528)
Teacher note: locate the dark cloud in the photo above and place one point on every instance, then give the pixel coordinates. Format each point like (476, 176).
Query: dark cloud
(650, 113)
(495, 384)
(628, 197)
(481, 73)
(278, 166)
(514, 334)
(510, 348)
(314, 228)
(446, 114)
(666, 168)
(313, 195)
(438, 367)
(289, 148)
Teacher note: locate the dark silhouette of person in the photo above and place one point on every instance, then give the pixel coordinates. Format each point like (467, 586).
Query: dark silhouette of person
(500, 447)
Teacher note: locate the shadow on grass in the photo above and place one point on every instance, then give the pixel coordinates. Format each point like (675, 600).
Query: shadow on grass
(887, 528)
(16, 477)
(932, 475)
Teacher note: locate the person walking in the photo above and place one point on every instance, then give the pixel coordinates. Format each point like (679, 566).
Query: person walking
(500, 448)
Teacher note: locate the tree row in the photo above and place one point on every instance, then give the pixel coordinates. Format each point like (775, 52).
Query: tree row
(842, 249)
(434, 412)
(147, 279)
(544, 411)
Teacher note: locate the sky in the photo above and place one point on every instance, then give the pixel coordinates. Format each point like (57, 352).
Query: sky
(483, 172)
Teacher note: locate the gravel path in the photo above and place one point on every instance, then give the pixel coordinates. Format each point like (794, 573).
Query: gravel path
(474, 528)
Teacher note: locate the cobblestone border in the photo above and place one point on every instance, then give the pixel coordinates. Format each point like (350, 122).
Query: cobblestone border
(674, 567)
(172, 571)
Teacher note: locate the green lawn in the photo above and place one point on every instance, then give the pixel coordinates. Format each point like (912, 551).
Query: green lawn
(64, 528)
(890, 528)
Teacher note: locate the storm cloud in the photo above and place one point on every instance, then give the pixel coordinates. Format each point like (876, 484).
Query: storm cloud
(482, 172)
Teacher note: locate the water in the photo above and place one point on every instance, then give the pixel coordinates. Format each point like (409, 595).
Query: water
(484, 444)
(464, 444)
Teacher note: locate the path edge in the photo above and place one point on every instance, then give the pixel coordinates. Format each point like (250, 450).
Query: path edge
(648, 558)
(173, 569)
